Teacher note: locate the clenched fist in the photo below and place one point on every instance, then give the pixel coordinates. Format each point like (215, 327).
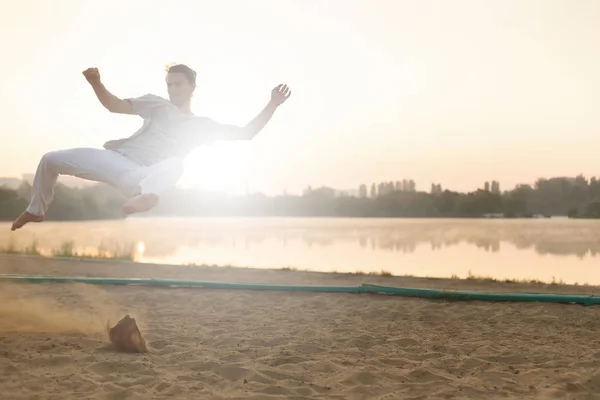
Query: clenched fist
(92, 75)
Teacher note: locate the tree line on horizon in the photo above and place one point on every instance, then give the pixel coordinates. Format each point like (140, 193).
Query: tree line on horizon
(573, 197)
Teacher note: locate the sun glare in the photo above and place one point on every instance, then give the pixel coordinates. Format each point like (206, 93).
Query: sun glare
(222, 167)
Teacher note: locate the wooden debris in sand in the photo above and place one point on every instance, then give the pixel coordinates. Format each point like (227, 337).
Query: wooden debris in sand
(126, 337)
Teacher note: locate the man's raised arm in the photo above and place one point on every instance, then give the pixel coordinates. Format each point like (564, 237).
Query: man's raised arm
(111, 102)
(279, 95)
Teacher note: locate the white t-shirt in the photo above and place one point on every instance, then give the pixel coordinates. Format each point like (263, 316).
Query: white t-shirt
(169, 132)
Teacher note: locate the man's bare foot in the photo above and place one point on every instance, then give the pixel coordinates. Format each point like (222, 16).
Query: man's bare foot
(25, 218)
(140, 203)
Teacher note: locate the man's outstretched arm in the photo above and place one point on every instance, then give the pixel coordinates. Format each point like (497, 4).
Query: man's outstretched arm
(259, 122)
(278, 96)
(111, 102)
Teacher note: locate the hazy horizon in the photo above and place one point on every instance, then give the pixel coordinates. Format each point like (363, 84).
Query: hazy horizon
(74, 182)
(508, 89)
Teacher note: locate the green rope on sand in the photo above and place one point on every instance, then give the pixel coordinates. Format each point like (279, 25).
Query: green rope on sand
(585, 299)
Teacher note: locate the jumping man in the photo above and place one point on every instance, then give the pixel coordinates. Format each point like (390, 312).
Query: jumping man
(150, 161)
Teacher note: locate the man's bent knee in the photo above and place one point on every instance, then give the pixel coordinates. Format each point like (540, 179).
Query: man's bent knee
(57, 158)
(51, 158)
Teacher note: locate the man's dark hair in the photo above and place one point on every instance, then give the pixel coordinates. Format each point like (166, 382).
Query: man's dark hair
(189, 73)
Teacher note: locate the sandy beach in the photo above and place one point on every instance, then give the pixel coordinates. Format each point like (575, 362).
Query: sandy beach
(229, 344)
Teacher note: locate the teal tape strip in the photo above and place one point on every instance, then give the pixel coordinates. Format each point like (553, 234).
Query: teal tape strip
(587, 300)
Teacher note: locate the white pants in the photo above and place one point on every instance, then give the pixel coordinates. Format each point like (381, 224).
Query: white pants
(100, 165)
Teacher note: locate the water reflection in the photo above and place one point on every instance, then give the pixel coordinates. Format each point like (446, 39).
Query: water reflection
(419, 247)
(554, 237)
(163, 237)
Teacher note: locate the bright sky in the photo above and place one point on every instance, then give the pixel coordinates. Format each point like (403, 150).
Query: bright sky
(456, 92)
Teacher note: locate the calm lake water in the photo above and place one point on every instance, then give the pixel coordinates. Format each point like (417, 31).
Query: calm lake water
(544, 249)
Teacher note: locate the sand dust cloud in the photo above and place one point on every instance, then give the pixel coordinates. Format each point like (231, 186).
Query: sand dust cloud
(75, 308)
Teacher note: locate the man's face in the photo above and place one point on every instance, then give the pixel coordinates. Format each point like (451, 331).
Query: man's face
(179, 88)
